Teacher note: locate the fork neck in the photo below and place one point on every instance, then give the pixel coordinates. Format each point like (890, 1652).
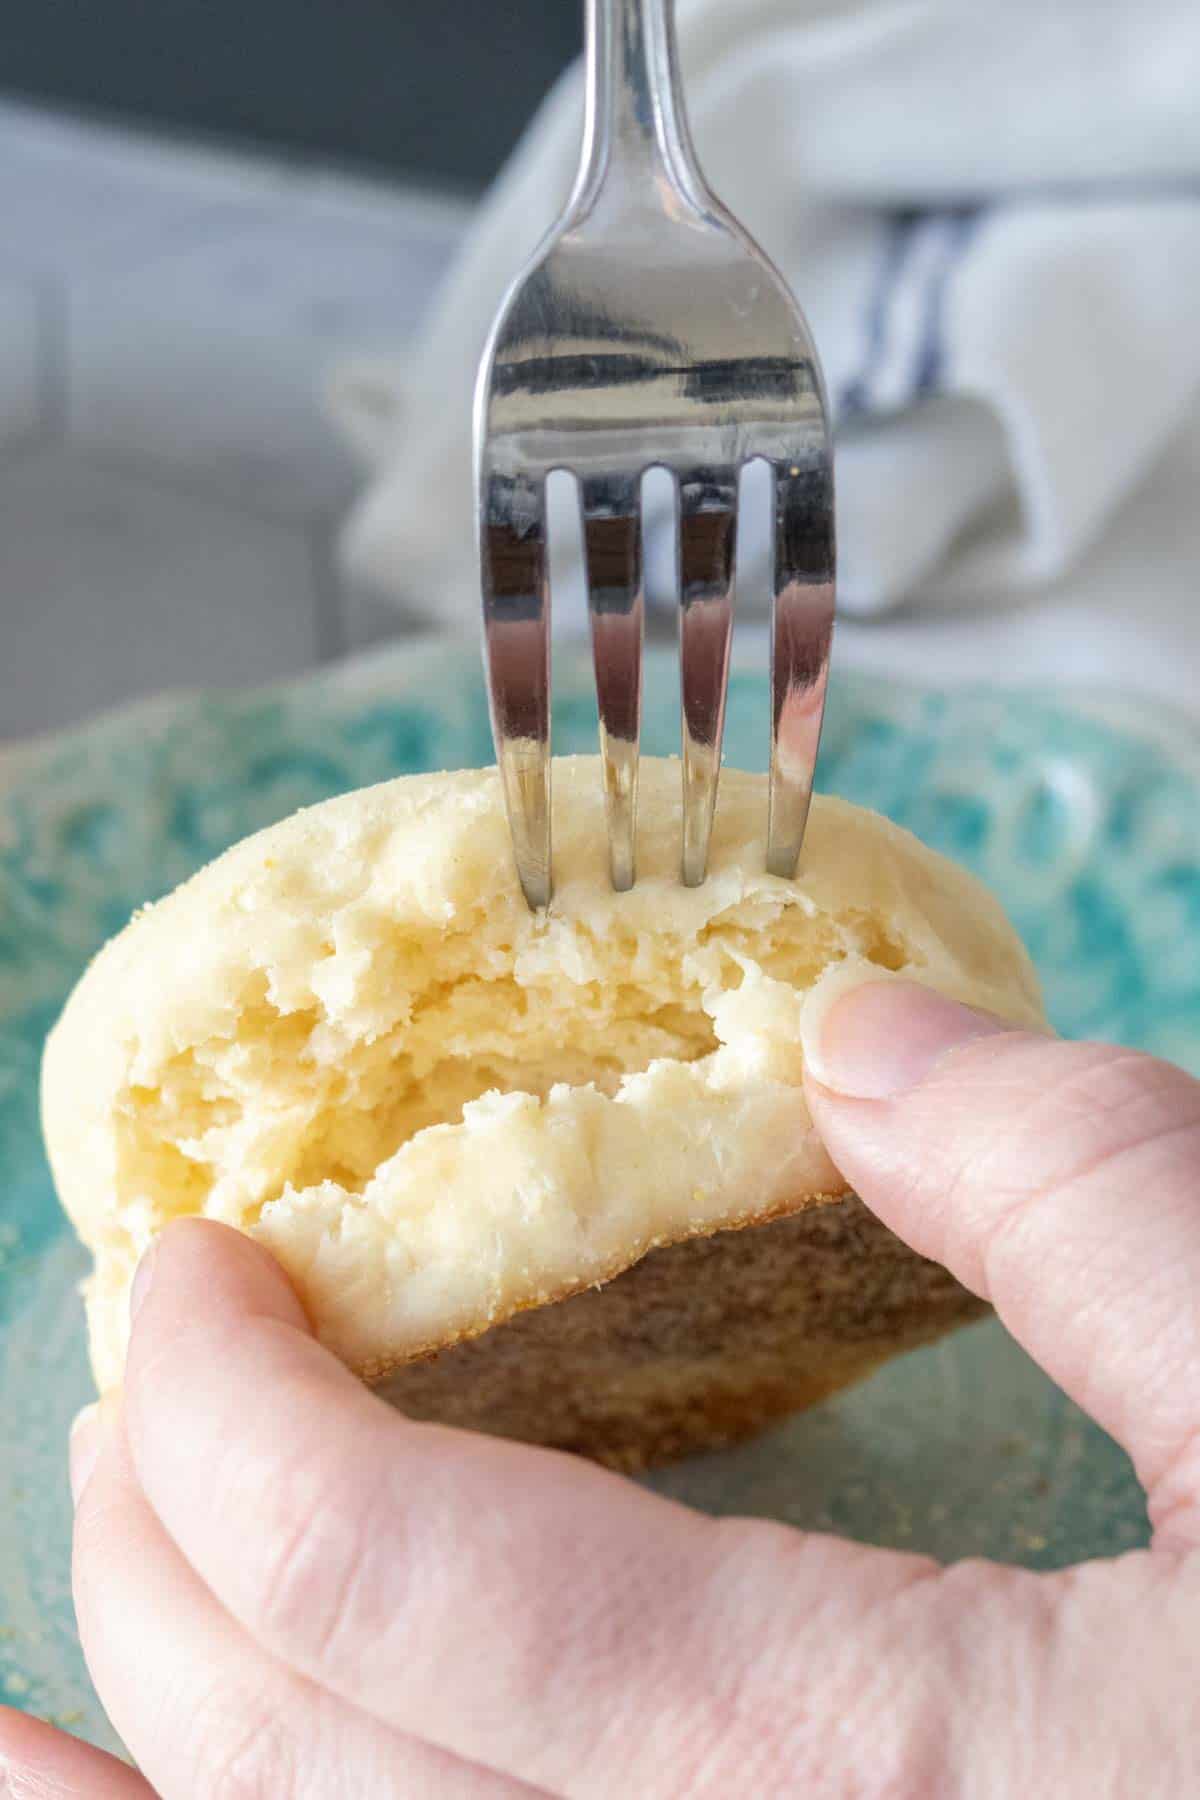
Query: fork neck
(636, 123)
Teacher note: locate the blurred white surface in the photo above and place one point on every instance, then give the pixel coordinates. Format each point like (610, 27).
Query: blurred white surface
(169, 487)
(127, 585)
(207, 356)
(1125, 619)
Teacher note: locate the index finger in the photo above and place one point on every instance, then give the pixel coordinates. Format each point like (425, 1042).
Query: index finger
(1061, 1181)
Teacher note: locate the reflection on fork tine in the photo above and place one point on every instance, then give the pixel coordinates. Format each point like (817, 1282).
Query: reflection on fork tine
(612, 537)
(802, 605)
(707, 544)
(517, 649)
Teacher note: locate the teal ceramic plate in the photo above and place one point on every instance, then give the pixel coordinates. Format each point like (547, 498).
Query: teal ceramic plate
(1085, 819)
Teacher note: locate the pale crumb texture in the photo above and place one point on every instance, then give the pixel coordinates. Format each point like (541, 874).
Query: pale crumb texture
(350, 1038)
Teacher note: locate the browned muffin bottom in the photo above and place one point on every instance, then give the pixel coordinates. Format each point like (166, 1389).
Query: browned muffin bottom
(699, 1344)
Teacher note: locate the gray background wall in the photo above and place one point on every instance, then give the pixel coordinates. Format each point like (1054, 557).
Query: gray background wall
(428, 88)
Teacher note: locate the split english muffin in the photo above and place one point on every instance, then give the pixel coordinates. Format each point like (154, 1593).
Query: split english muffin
(550, 1175)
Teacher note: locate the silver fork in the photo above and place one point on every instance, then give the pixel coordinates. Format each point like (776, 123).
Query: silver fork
(649, 330)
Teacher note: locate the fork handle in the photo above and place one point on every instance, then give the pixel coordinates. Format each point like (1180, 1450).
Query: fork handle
(636, 120)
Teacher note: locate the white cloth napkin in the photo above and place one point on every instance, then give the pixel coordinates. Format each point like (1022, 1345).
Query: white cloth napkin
(990, 214)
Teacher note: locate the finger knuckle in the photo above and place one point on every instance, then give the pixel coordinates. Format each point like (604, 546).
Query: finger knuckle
(310, 1564)
(1122, 1099)
(773, 1724)
(241, 1746)
(1099, 1116)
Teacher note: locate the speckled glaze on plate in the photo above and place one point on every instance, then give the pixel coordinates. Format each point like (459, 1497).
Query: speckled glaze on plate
(1084, 816)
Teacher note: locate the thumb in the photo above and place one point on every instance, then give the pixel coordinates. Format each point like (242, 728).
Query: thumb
(1060, 1181)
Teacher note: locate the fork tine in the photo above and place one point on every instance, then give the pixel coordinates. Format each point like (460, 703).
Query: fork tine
(802, 606)
(707, 541)
(516, 618)
(613, 545)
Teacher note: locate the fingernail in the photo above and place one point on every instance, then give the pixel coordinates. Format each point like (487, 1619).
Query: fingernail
(87, 1439)
(885, 1037)
(141, 1281)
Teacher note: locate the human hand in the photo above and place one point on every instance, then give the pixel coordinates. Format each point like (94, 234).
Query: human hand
(286, 1590)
